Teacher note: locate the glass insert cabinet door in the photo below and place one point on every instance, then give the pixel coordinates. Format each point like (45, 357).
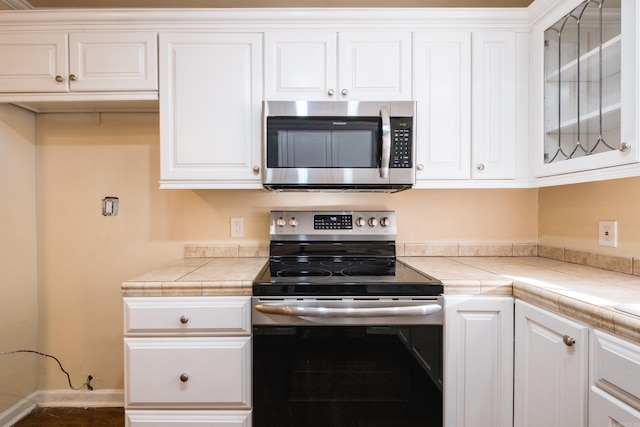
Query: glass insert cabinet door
(588, 67)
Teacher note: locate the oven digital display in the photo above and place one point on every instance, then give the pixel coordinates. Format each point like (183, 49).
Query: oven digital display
(332, 222)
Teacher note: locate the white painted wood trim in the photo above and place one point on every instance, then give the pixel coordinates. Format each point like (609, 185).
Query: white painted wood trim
(80, 398)
(264, 18)
(18, 411)
(62, 398)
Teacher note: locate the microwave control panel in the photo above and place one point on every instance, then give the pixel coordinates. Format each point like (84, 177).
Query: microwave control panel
(402, 142)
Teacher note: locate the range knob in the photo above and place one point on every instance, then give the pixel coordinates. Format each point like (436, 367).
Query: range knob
(385, 221)
(360, 222)
(280, 222)
(293, 221)
(373, 221)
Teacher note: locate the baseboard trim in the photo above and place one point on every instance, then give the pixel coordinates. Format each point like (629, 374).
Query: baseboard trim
(62, 398)
(18, 411)
(80, 399)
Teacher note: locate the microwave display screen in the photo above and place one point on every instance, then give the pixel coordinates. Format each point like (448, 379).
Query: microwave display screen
(323, 142)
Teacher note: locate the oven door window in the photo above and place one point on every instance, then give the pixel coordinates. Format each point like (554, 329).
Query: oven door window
(302, 142)
(346, 376)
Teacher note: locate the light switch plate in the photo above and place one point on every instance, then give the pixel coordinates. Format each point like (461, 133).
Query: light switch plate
(237, 227)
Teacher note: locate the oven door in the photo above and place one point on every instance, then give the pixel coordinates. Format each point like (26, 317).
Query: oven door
(347, 363)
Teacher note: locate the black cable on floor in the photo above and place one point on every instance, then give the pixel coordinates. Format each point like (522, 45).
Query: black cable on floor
(89, 386)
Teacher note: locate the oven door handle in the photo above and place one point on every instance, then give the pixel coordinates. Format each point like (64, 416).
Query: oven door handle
(385, 161)
(342, 312)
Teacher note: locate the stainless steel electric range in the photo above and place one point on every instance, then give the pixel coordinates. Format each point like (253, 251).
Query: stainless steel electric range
(343, 332)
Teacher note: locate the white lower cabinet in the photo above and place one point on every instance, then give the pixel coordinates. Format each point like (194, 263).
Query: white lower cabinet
(187, 361)
(607, 411)
(551, 369)
(614, 398)
(478, 361)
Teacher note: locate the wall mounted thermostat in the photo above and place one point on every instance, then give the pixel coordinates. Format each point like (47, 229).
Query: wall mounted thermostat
(110, 206)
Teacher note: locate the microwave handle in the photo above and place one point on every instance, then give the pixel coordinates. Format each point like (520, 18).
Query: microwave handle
(386, 142)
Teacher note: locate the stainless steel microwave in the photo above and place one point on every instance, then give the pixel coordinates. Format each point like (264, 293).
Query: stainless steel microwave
(338, 145)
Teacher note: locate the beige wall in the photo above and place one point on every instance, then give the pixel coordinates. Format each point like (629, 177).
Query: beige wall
(18, 274)
(569, 215)
(83, 256)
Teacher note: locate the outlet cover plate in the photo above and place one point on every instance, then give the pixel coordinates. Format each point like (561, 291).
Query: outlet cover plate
(608, 233)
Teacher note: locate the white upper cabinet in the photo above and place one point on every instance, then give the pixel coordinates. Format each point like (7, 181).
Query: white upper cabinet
(493, 86)
(78, 62)
(585, 89)
(442, 87)
(348, 65)
(466, 120)
(210, 108)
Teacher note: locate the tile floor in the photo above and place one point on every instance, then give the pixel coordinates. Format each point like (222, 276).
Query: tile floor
(73, 417)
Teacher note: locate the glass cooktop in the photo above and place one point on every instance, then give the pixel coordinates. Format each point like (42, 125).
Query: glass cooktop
(330, 277)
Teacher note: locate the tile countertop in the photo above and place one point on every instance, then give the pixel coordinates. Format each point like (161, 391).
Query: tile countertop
(584, 293)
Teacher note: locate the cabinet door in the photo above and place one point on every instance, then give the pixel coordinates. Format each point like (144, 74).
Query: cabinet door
(300, 65)
(31, 62)
(114, 61)
(210, 109)
(607, 411)
(478, 361)
(188, 372)
(573, 117)
(374, 65)
(551, 370)
(494, 105)
(442, 79)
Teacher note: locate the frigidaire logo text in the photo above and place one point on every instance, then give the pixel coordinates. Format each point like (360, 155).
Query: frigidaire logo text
(340, 123)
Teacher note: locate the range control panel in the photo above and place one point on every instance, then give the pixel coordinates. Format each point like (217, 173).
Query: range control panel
(333, 225)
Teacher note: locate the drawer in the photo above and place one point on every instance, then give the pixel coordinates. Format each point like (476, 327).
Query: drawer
(616, 367)
(187, 315)
(188, 372)
(164, 418)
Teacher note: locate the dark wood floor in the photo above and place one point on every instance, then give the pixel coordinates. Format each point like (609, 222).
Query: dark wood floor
(73, 417)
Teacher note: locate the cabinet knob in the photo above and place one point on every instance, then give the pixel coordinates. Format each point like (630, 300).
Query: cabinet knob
(624, 147)
(568, 341)
(59, 79)
(184, 319)
(331, 92)
(420, 167)
(72, 77)
(480, 167)
(256, 169)
(184, 378)
(345, 92)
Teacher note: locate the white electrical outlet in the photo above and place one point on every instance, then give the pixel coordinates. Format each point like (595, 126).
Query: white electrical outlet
(237, 227)
(608, 233)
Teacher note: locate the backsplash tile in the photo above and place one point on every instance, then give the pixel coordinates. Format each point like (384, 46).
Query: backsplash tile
(619, 264)
(499, 249)
(551, 252)
(430, 249)
(525, 249)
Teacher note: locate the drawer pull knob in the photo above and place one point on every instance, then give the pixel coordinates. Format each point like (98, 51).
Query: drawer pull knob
(184, 319)
(568, 341)
(184, 378)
